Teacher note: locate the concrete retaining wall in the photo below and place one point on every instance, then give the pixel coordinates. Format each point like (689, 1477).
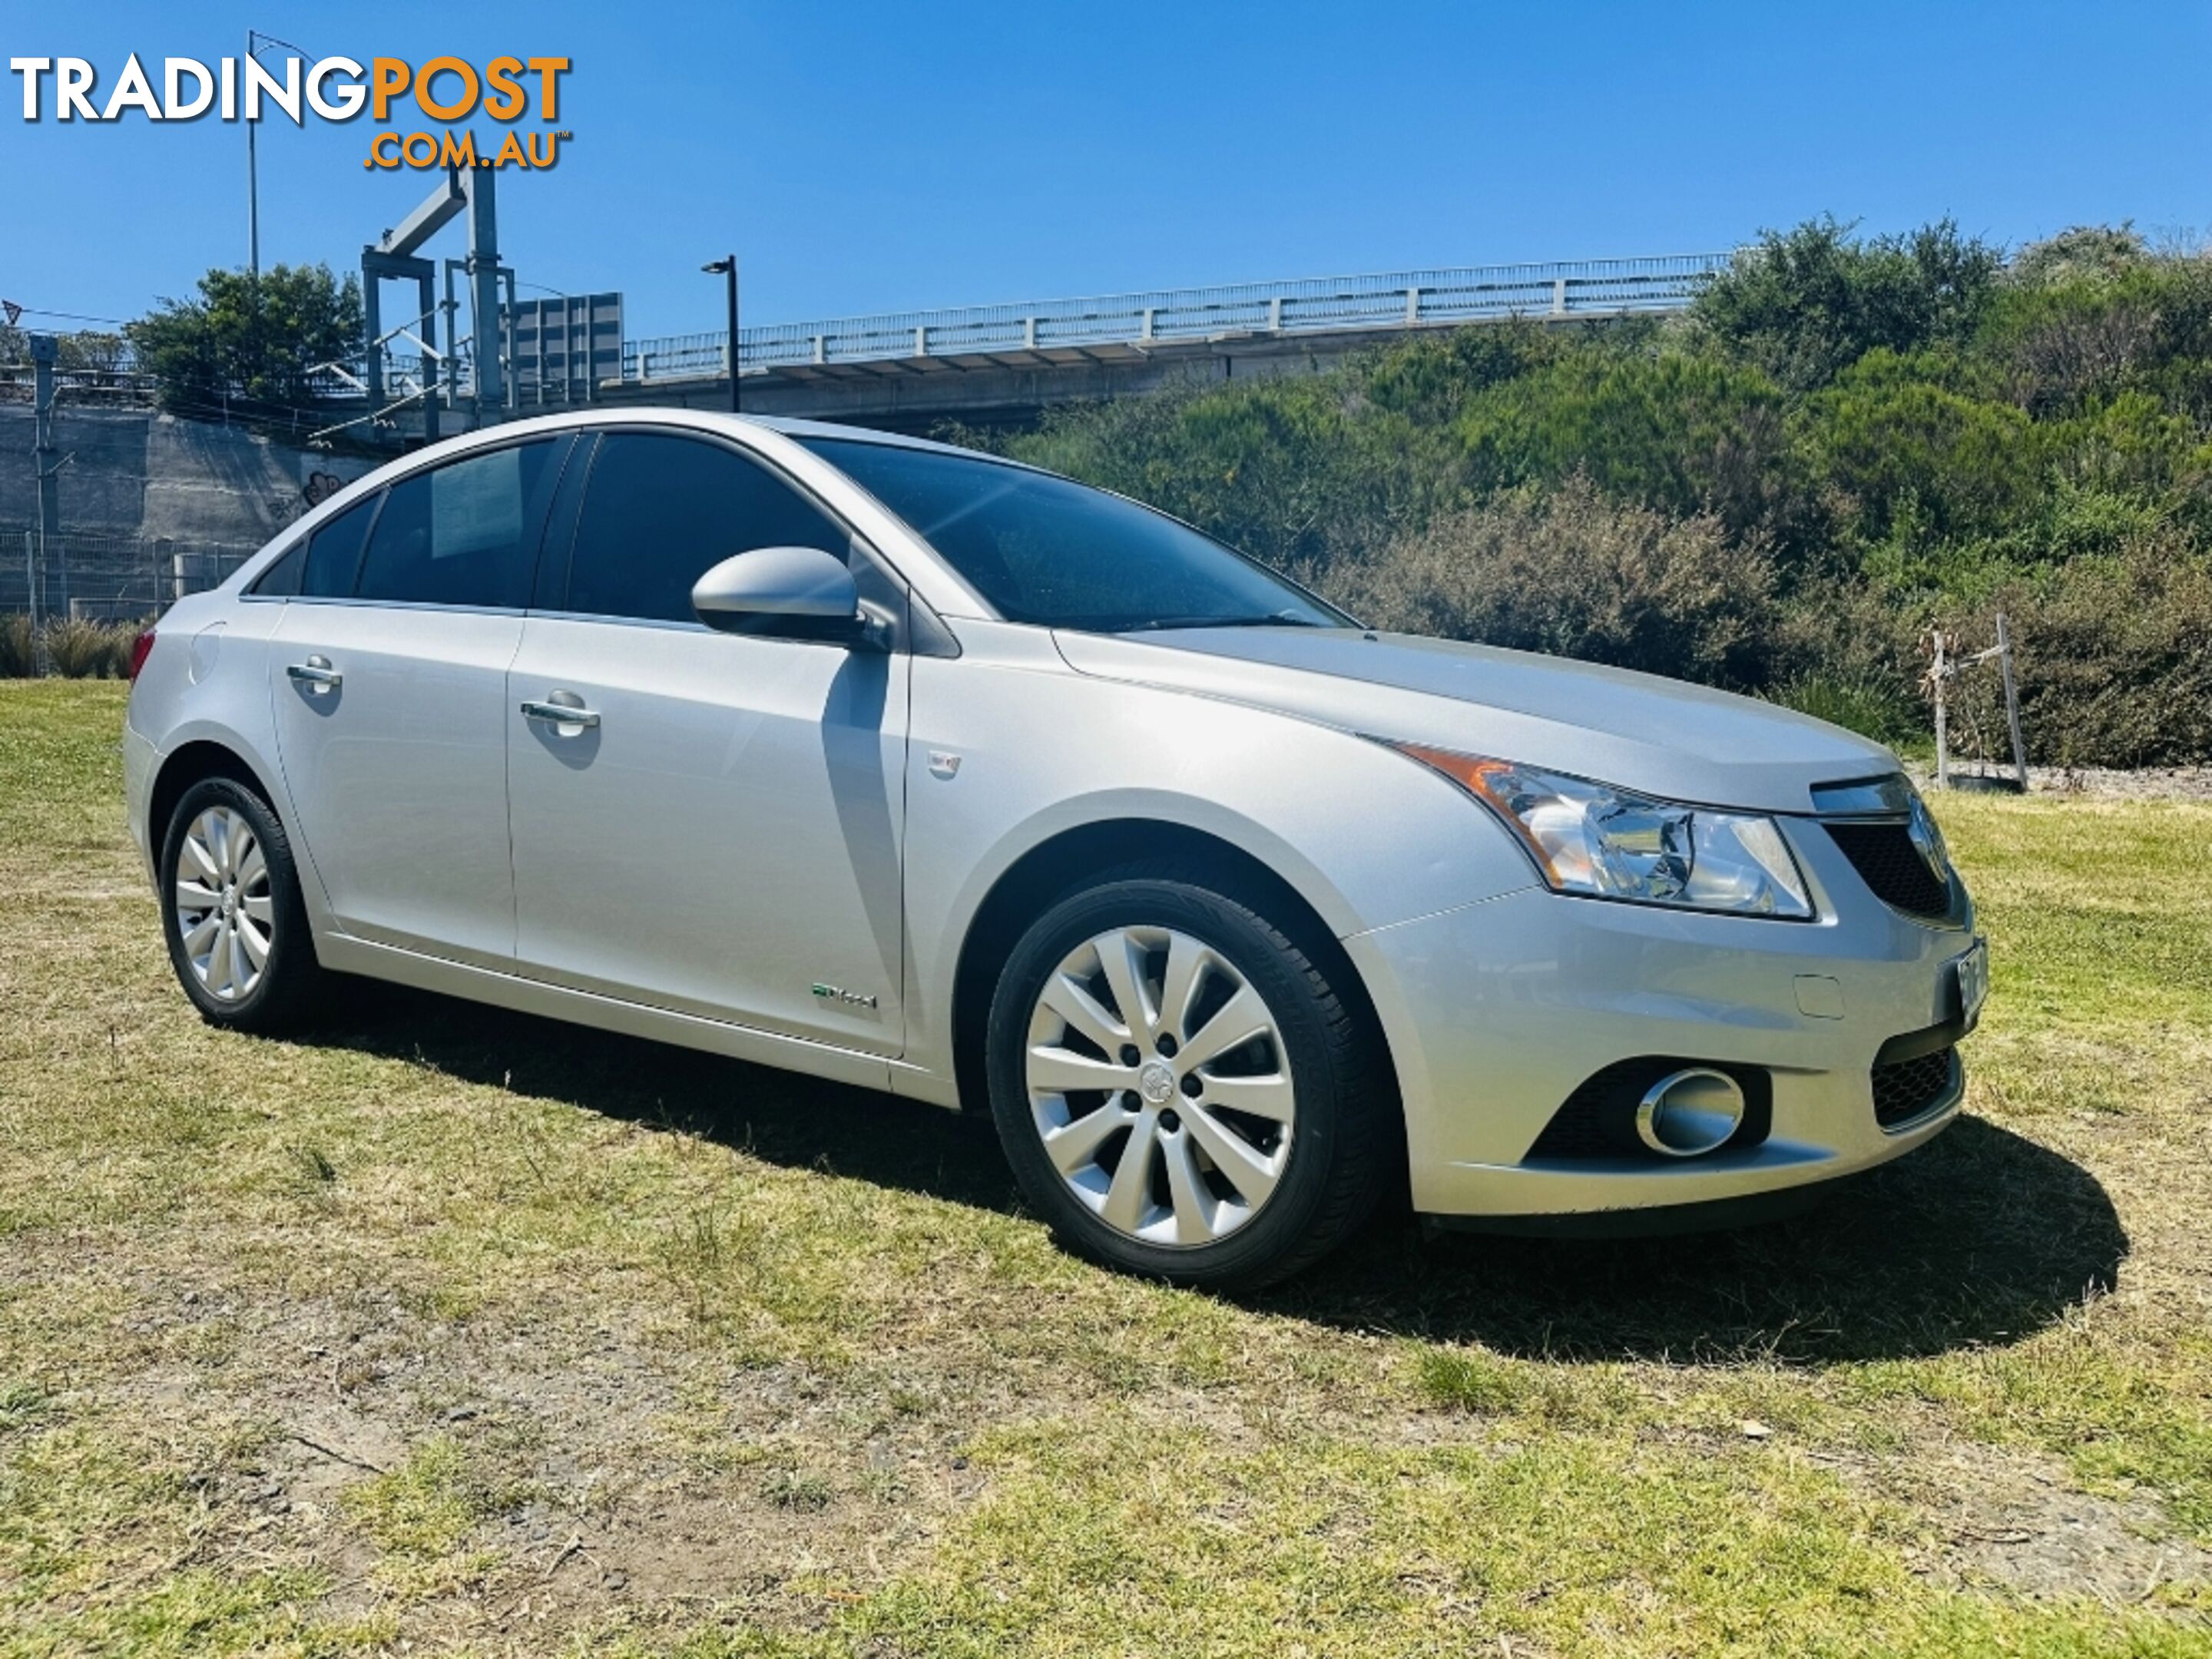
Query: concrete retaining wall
(137, 473)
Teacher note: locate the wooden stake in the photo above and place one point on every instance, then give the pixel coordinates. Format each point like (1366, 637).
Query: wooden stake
(2012, 702)
(1939, 675)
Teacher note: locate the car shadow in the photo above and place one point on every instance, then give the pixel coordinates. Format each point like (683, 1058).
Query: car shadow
(1982, 1237)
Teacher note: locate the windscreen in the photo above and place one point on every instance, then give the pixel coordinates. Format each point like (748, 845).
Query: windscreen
(1045, 549)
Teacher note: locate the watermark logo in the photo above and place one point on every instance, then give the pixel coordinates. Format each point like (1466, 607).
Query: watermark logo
(444, 90)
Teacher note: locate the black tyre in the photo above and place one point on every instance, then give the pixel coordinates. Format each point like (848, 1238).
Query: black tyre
(1182, 1092)
(231, 910)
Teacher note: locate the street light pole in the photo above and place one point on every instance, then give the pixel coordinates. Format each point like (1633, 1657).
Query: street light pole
(253, 187)
(255, 40)
(728, 267)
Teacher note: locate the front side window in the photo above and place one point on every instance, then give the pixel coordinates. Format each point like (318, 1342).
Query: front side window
(661, 511)
(465, 533)
(1046, 549)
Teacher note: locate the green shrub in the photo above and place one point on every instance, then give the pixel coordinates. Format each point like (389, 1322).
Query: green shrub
(1803, 304)
(1896, 436)
(1867, 705)
(1681, 433)
(2115, 660)
(1578, 574)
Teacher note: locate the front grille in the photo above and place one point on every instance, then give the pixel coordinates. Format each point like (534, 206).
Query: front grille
(1903, 1089)
(1888, 862)
(1598, 1120)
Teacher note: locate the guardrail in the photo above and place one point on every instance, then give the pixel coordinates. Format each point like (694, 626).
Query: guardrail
(1321, 305)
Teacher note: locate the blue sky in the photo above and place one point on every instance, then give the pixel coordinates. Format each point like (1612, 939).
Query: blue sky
(883, 156)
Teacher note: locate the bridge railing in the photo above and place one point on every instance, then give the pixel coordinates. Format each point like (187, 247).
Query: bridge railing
(1310, 306)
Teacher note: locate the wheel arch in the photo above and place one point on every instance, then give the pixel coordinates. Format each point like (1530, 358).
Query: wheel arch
(1073, 858)
(194, 761)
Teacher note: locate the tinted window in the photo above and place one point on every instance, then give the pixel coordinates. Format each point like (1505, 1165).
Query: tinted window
(464, 533)
(1045, 549)
(281, 579)
(659, 511)
(334, 554)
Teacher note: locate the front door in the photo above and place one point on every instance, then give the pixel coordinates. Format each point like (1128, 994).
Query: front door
(718, 831)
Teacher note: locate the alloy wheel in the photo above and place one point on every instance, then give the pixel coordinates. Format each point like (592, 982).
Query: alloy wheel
(226, 911)
(1160, 1085)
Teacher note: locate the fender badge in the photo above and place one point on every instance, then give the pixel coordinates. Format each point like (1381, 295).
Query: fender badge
(942, 762)
(839, 994)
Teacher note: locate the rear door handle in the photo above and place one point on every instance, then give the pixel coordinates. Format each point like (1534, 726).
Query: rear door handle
(562, 713)
(316, 674)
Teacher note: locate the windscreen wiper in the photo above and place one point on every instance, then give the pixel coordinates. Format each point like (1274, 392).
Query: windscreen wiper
(1281, 619)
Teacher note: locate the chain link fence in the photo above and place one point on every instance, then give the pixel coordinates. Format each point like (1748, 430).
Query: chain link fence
(83, 577)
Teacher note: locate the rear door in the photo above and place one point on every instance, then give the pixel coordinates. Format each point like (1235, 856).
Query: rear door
(389, 680)
(722, 836)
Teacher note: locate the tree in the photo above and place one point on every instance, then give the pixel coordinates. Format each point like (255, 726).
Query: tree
(247, 346)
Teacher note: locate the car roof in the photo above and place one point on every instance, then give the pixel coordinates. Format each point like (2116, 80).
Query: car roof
(705, 419)
(939, 584)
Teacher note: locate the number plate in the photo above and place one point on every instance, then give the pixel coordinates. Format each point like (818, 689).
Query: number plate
(1973, 975)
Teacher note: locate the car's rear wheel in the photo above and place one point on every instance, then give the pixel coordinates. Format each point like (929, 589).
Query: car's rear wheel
(231, 910)
(1182, 1090)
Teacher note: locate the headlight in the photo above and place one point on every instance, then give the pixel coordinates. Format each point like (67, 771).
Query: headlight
(1593, 839)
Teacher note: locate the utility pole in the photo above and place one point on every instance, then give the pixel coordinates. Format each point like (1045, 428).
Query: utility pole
(46, 463)
(727, 266)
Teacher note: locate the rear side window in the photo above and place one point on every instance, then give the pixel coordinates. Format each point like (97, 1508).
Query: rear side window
(465, 533)
(324, 568)
(661, 511)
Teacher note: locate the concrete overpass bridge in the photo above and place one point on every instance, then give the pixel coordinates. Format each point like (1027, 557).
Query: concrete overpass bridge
(982, 365)
(990, 365)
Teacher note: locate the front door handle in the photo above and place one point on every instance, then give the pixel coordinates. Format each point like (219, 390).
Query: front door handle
(562, 713)
(316, 674)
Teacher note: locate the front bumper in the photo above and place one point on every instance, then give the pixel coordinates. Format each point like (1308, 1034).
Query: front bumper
(1496, 1010)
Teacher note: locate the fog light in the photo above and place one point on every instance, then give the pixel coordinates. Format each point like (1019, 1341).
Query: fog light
(1688, 1113)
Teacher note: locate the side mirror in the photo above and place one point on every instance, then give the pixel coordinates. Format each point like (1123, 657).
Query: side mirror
(788, 592)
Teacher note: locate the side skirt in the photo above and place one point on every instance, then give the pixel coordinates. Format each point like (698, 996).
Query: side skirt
(345, 954)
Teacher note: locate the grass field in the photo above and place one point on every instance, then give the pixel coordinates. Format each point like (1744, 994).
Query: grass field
(448, 1330)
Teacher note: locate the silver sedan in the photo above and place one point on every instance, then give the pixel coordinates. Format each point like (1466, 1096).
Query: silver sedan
(908, 767)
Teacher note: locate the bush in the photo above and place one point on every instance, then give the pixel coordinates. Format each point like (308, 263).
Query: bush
(1869, 705)
(1681, 433)
(80, 650)
(1896, 436)
(1578, 574)
(19, 648)
(1804, 305)
(2115, 660)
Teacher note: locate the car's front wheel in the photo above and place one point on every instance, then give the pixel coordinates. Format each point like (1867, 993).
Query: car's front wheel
(1180, 1087)
(231, 909)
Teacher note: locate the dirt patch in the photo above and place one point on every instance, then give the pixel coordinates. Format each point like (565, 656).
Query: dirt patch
(2007, 1516)
(2100, 782)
